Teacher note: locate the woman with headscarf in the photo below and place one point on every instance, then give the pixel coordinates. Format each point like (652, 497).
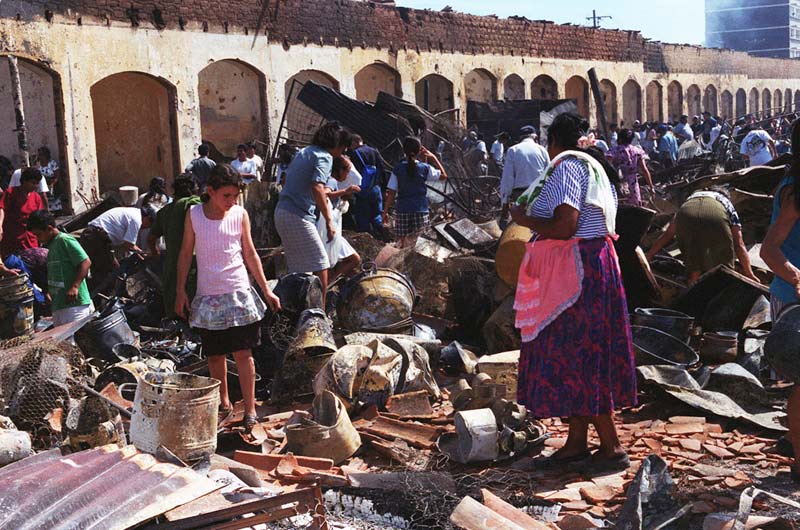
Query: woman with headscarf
(577, 356)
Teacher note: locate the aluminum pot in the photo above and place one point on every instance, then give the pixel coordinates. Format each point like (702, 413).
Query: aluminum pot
(379, 300)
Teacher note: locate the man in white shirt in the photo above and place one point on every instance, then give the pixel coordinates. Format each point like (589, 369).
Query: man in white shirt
(251, 155)
(523, 164)
(758, 146)
(246, 167)
(43, 189)
(116, 228)
(682, 131)
(499, 150)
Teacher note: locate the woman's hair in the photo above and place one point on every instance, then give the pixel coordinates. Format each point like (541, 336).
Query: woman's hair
(185, 185)
(331, 135)
(411, 148)
(222, 175)
(625, 136)
(31, 174)
(611, 172)
(794, 165)
(566, 130)
(45, 151)
(158, 186)
(340, 163)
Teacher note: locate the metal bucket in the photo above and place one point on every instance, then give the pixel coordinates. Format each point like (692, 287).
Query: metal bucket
(782, 348)
(329, 435)
(16, 307)
(98, 337)
(477, 435)
(677, 324)
(178, 411)
(719, 347)
(379, 300)
(653, 346)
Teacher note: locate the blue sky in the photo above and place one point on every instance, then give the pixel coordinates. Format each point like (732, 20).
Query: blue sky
(676, 21)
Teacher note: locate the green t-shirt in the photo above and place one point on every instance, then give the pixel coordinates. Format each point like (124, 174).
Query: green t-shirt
(64, 254)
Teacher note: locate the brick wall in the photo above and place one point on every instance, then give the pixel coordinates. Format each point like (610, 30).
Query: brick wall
(352, 24)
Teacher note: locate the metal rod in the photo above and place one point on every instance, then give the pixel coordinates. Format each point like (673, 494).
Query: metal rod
(122, 410)
(19, 110)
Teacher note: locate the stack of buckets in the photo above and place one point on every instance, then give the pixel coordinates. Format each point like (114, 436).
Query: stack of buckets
(16, 307)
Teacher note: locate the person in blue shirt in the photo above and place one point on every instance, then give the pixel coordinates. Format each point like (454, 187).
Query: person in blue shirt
(407, 185)
(667, 146)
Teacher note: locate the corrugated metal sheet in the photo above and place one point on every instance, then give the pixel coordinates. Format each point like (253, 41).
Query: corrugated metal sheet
(104, 488)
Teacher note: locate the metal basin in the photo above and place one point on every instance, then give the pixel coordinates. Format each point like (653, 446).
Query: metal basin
(653, 346)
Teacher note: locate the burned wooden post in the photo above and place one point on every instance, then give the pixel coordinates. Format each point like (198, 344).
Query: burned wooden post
(598, 101)
(19, 111)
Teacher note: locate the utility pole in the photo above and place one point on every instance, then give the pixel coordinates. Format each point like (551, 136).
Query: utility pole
(595, 18)
(19, 112)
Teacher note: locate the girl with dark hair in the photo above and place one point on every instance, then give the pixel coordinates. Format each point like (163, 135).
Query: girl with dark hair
(408, 185)
(577, 357)
(303, 197)
(156, 195)
(631, 161)
(781, 251)
(227, 311)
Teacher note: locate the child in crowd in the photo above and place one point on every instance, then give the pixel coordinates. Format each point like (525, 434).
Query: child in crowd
(227, 311)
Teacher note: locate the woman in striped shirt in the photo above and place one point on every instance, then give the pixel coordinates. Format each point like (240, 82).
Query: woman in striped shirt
(577, 355)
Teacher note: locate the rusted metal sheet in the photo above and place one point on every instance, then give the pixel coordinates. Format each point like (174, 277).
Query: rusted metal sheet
(107, 488)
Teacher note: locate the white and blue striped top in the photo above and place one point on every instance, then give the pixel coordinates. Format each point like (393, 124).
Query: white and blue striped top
(569, 184)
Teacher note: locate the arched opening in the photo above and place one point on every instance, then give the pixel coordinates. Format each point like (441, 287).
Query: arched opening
(545, 87)
(741, 103)
(674, 101)
(797, 100)
(434, 93)
(608, 91)
(766, 101)
(752, 104)
(135, 129)
(654, 107)
(232, 104)
(375, 78)
(480, 85)
(578, 89)
(513, 88)
(787, 100)
(693, 100)
(298, 126)
(777, 101)
(710, 100)
(726, 104)
(631, 102)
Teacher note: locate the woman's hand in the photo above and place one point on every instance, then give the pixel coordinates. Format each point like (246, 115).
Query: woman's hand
(518, 214)
(182, 307)
(273, 302)
(331, 230)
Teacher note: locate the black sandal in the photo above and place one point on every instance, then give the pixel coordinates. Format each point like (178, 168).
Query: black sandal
(597, 466)
(550, 462)
(223, 414)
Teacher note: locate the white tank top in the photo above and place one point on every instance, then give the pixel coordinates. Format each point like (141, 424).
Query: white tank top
(218, 246)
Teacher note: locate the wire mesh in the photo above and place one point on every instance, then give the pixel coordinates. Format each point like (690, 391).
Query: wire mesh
(35, 383)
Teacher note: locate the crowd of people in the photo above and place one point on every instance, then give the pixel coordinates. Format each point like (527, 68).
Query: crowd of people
(577, 355)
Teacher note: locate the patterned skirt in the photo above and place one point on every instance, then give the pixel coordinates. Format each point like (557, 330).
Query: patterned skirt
(407, 224)
(582, 363)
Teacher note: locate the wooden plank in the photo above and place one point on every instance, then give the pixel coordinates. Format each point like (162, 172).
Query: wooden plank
(415, 434)
(268, 462)
(472, 515)
(513, 514)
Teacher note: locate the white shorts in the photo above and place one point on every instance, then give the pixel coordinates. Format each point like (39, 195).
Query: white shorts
(72, 314)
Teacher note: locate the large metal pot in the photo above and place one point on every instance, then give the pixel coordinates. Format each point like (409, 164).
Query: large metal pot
(677, 324)
(379, 300)
(653, 346)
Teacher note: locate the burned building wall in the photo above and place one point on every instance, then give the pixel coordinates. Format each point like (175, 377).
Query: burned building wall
(85, 41)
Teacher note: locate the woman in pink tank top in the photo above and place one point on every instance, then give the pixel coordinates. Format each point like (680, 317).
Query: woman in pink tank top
(227, 311)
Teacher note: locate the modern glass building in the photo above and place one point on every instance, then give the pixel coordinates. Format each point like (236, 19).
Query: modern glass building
(766, 28)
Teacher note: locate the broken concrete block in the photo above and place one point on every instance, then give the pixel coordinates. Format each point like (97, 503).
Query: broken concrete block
(503, 369)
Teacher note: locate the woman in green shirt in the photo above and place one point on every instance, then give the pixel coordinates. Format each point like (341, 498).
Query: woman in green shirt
(67, 268)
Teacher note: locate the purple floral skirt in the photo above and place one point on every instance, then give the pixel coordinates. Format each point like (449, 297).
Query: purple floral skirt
(582, 363)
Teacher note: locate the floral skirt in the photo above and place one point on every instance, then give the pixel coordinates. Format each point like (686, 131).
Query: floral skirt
(230, 310)
(582, 363)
